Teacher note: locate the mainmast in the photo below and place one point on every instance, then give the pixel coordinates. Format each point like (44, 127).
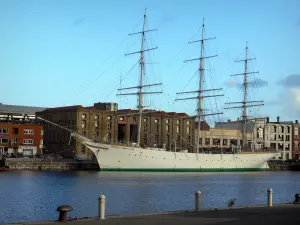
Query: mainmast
(200, 91)
(140, 92)
(244, 103)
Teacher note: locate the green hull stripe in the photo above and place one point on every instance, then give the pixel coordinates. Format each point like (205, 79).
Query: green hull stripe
(184, 169)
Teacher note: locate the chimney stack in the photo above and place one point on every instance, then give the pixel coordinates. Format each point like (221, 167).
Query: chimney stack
(277, 119)
(296, 121)
(268, 119)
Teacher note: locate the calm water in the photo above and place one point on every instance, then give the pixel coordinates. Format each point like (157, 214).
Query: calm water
(31, 196)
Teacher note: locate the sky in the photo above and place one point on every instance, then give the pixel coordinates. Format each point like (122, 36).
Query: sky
(60, 53)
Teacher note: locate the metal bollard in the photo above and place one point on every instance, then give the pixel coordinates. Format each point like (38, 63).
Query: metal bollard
(197, 201)
(297, 199)
(101, 201)
(63, 212)
(270, 191)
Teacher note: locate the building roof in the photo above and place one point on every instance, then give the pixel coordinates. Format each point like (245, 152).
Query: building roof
(235, 125)
(18, 109)
(63, 108)
(152, 112)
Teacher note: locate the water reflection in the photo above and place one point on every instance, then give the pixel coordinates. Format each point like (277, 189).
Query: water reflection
(31, 196)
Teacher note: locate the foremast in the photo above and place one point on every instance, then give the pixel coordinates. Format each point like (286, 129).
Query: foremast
(200, 111)
(141, 85)
(244, 104)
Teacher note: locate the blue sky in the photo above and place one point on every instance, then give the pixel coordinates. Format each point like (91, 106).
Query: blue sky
(57, 53)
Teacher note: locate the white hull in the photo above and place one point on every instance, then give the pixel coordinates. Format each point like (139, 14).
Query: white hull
(120, 158)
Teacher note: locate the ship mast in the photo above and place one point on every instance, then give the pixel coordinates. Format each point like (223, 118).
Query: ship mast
(245, 103)
(140, 92)
(200, 115)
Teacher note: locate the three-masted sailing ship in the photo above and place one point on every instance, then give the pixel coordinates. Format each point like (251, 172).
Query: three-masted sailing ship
(112, 157)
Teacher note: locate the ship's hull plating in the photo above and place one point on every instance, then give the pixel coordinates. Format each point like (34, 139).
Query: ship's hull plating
(119, 158)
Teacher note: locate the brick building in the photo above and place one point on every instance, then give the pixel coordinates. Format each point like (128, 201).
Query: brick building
(296, 140)
(103, 122)
(20, 132)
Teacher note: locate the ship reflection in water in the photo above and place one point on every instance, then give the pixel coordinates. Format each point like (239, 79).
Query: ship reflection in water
(32, 196)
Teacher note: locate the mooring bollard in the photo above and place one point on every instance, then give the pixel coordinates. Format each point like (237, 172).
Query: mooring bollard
(270, 191)
(101, 201)
(63, 212)
(297, 199)
(197, 200)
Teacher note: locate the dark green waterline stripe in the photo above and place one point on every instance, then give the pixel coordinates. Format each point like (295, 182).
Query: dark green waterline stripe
(184, 169)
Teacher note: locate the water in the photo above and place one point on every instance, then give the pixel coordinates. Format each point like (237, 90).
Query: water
(32, 196)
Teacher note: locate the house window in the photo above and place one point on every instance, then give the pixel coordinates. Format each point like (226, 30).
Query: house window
(83, 124)
(178, 129)
(287, 146)
(96, 134)
(96, 124)
(177, 121)
(200, 141)
(82, 149)
(109, 117)
(156, 120)
(296, 131)
(28, 131)
(28, 141)
(145, 120)
(3, 130)
(83, 116)
(96, 117)
(188, 122)
(156, 127)
(216, 141)
(145, 127)
(273, 129)
(42, 132)
(273, 137)
(225, 142)
(41, 142)
(84, 133)
(287, 137)
(4, 140)
(167, 121)
(167, 128)
(207, 141)
(145, 139)
(188, 139)
(109, 125)
(188, 130)
(121, 118)
(14, 140)
(287, 130)
(280, 129)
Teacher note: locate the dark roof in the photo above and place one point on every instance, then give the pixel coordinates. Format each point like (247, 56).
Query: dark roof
(63, 108)
(19, 109)
(235, 125)
(155, 113)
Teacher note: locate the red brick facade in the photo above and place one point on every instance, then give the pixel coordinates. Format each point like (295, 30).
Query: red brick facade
(22, 139)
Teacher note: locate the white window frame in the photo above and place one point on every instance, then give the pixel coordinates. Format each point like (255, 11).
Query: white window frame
(4, 142)
(28, 141)
(28, 131)
(2, 129)
(14, 140)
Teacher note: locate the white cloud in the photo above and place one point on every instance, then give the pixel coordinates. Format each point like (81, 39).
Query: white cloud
(291, 102)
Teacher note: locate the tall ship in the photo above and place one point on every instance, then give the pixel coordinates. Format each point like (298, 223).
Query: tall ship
(115, 157)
